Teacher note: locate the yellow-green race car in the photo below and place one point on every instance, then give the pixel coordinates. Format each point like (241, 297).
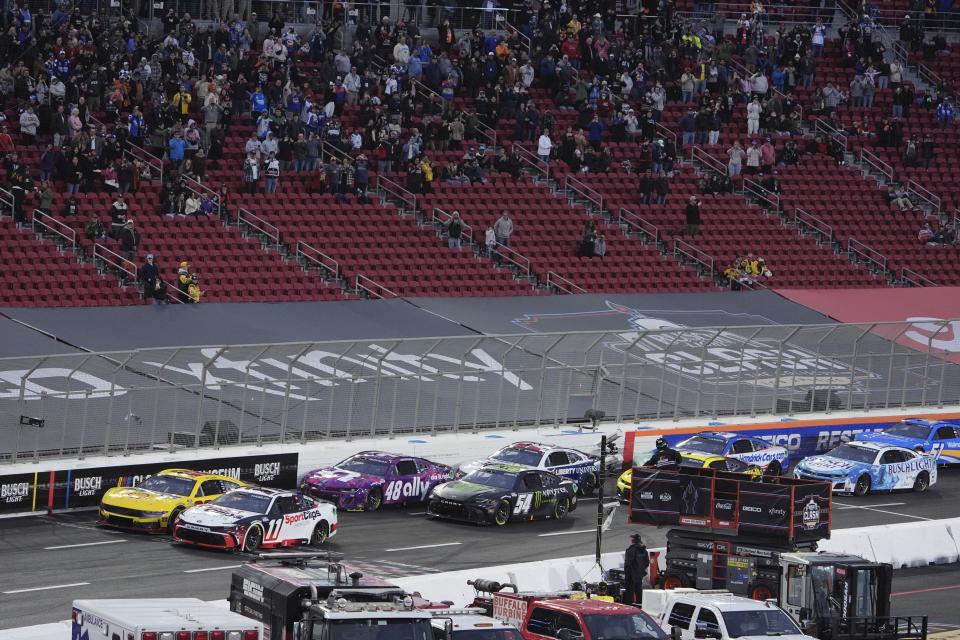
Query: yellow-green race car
(698, 460)
(154, 505)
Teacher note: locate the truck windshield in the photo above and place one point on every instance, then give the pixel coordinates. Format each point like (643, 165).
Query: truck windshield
(856, 454)
(244, 501)
(492, 479)
(622, 627)
(707, 445)
(169, 485)
(759, 622)
(518, 456)
(366, 466)
(920, 432)
(403, 629)
(487, 634)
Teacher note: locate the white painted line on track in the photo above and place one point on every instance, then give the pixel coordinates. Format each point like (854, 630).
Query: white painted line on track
(565, 533)
(228, 566)
(416, 513)
(841, 505)
(53, 586)
(892, 513)
(426, 546)
(82, 544)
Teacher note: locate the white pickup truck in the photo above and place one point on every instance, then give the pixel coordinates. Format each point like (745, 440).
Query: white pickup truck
(688, 614)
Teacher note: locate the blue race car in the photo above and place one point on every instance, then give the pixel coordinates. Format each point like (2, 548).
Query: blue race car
(756, 451)
(570, 464)
(940, 439)
(861, 467)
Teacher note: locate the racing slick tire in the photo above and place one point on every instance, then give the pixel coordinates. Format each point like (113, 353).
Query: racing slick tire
(321, 533)
(761, 591)
(862, 487)
(773, 470)
(588, 486)
(172, 520)
(672, 581)
(922, 483)
(502, 515)
(374, 500)
(561, 509)
(253, 539)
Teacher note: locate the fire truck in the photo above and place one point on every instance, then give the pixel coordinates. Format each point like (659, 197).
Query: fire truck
(758, 538)
(306, 596)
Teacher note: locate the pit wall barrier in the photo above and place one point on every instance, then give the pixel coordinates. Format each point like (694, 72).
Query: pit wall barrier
(801, 438)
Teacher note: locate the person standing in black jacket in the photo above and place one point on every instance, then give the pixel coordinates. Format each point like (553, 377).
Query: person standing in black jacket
(153, 287)
(636, 563)
(664, 457)
(693, 216)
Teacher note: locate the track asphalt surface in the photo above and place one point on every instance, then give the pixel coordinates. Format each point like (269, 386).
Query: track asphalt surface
(46, 562)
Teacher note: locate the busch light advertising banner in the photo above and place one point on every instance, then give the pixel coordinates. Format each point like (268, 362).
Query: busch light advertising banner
(79, 488)
(784, 508)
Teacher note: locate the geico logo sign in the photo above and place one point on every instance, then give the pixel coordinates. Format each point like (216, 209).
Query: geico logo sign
(751, 509)
(266, 471)
(87, 486)
(789, 441)
(15, 492)
(253, 590)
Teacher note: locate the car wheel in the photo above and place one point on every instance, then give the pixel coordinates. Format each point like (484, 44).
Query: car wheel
(672, 581)
(922, 483)
(588, 486)
(761, 591)
(172, 520)
(321, 533)
(374, 500)
(862, 487)
(773, 469)
(561, 508)
(502, 515)
(253, 539)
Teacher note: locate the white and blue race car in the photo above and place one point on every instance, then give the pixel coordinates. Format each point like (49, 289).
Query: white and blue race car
(756, 451)
(861, 467)
(940, 439)
(570, 464)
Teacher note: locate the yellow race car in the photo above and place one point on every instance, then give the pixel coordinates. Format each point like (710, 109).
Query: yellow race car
(699, 460)
(154, 505)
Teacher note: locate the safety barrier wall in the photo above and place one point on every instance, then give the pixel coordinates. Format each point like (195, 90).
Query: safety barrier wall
(801, 438)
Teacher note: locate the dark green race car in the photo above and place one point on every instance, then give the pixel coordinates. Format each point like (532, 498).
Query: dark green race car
(498, 493)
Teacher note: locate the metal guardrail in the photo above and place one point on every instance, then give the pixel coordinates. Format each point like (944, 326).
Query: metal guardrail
(533, 161)
(918, 191)
(573, 188)
(525, 43)
(487, 134)
(8, 202)
(104, 255)
(636, 224)
(823, 127)
(910, 278)
(757, 190)
(686, 252)
(136, 152)
(43, 224)
(372, 287)
(859, 252)
(929, 76)
(202, 190)
(387, 187)
(520, 262)
(308, 254)
(266, 230)
(697, 154)
(873, 162)
(666, 132)
(773, 14)
(807, 222)
(770, 88)
(329, 150)
(557, 283)
(440, 218)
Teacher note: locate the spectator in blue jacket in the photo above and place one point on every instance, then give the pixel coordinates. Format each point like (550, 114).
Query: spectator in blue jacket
(177, 147)
(945, 112)
(595, 132)
(258, 101)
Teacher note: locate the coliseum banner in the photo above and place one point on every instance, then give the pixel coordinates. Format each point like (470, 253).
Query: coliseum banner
(71, 489)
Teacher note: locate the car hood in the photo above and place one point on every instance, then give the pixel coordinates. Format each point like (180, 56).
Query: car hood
(886, 438)
(140, 498)
(212, 515)
(334, 478)
(461, 490)
(830, 464)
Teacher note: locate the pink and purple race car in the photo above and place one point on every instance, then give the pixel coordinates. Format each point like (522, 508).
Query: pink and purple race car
(370, 479)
